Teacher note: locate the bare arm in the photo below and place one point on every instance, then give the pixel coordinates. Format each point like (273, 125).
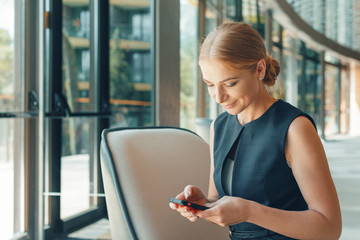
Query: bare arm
(306, 155)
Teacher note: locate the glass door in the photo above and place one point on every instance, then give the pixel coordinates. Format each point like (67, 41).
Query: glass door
(76, 144)
(332, 99)
(12, 118)
(78, 110)
(131, 63)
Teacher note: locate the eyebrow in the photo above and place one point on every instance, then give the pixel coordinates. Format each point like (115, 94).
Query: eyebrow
(226, 79)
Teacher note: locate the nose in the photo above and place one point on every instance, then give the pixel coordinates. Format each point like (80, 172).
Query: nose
(219, 95)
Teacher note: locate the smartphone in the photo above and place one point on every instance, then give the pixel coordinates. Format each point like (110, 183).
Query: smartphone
(188, 204)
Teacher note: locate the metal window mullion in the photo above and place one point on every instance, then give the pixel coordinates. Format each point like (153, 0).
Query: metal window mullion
(103, 81)
(33, 127)
(55, 125)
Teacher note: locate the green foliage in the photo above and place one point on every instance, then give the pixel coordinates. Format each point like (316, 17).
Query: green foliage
(70, 80)
(120, 71)
(6, 63)
(188, 73)
(70, 89)
(4, 38)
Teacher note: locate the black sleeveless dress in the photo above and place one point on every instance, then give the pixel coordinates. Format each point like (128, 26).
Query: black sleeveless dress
(260, 170)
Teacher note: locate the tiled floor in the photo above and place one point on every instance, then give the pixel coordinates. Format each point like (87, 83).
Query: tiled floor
(344, 161)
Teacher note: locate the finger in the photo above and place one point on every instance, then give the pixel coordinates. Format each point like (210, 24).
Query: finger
(181, 196)
(188, 191)
(173, 206)
(182, 209)
(194, 219)
(211, 205)
(188, 214)
(207, 213)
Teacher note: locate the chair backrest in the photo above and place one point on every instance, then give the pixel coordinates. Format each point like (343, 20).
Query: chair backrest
(143, 168)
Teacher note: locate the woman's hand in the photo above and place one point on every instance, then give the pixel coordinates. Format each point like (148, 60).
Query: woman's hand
(227, 211)
(191, 194)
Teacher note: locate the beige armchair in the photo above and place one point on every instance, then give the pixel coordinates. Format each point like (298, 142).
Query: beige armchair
(142, 168)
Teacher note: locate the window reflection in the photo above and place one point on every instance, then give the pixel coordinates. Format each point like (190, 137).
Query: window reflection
(76, 159)
(331, 105)
(131, 64)
(76, 54)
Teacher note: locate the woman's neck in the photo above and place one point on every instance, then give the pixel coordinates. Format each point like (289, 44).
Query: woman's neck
(256, 109)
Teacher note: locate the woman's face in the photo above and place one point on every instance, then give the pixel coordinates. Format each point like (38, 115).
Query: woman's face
(233, 89)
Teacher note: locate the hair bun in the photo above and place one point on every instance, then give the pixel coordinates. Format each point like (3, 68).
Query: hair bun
(272, 70)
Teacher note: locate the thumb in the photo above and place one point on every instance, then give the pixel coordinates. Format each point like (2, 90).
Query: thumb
(206, 213)
(188, 191)
(210, 205)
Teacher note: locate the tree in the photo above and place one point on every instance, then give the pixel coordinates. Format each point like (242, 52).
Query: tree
(6, 65)
(70, 87)
(120, 70)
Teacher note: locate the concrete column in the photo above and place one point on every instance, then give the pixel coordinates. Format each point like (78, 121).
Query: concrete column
(167, 58)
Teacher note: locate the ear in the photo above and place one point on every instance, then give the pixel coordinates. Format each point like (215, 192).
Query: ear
(261, 69)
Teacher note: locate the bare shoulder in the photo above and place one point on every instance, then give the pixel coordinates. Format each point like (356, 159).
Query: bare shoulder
(302, 138)
(302, 129)
(301, 124)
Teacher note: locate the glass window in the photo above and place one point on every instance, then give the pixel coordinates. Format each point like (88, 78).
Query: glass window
(345, 100)
(75, 167)
(332, 98)
(287, 38)
(309, 82)
(253, 12)
(288, 69)
(277, 91)
(131, 63)
(276, 32)
(12, 177)
(76, 54)
(300, 80)
(313, 90)
(233, 11)
(249, 11)
(211, 17)
(211, 22)
(188, 63)
(76, 159)
(289, 79)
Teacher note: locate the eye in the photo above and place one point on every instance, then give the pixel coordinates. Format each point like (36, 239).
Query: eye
(231, 84)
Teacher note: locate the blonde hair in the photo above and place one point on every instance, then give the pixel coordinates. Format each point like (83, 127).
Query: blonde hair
(240, 47)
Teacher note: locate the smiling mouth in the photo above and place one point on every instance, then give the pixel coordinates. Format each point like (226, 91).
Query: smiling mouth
(230, 105)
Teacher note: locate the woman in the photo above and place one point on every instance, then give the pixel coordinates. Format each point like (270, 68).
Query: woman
(269, 177)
